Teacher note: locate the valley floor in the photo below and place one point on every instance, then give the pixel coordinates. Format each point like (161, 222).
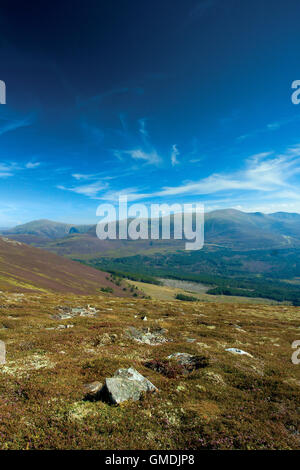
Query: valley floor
(170, 288)
(233, 402)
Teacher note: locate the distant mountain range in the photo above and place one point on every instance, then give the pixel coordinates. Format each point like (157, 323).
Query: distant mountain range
(47, 228)
(228, 228)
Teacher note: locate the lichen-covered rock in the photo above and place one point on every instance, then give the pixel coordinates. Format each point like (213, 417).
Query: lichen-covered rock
(127, 384)
(2, 353)
(133, 374)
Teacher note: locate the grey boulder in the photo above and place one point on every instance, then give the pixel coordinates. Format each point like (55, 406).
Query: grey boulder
(127, 384)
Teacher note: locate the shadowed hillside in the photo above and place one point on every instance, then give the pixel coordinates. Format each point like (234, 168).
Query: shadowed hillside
(25, 268)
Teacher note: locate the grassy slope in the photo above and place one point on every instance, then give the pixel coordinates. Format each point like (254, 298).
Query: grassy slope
(169, 293)
(236, 402)
(24, 268)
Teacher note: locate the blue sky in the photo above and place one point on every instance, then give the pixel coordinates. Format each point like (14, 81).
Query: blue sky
(165, 101)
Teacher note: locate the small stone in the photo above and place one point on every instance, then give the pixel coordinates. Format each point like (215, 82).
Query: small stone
(238, 351)
(93, 390)
(2, 353)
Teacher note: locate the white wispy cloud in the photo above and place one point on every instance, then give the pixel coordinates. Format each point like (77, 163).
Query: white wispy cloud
(175, 153)
(144, 151)
(8, 169)
(265, 173)
(266, 182)
(90, 190)
(81, 176)
(31, 165)
(8, 125)
(5, 174)
(151, 157)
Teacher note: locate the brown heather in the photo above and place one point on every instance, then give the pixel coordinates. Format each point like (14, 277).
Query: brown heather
(234, 402)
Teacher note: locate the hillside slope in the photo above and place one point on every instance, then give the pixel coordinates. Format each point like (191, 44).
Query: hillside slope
(240, 230)
(24, 268)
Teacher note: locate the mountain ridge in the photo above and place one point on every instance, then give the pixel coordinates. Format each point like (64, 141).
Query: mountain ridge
(229, 228)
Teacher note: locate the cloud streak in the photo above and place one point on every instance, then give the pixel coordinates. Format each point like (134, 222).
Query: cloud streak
(8, 169)
(175, 153)
(90, 190)
(265, 173)
(9, 125)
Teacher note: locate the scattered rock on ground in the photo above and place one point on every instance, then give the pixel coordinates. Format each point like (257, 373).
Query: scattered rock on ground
(147, 336)
(190, 362)
(238, 351)
(92, 390)
(67, 312)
